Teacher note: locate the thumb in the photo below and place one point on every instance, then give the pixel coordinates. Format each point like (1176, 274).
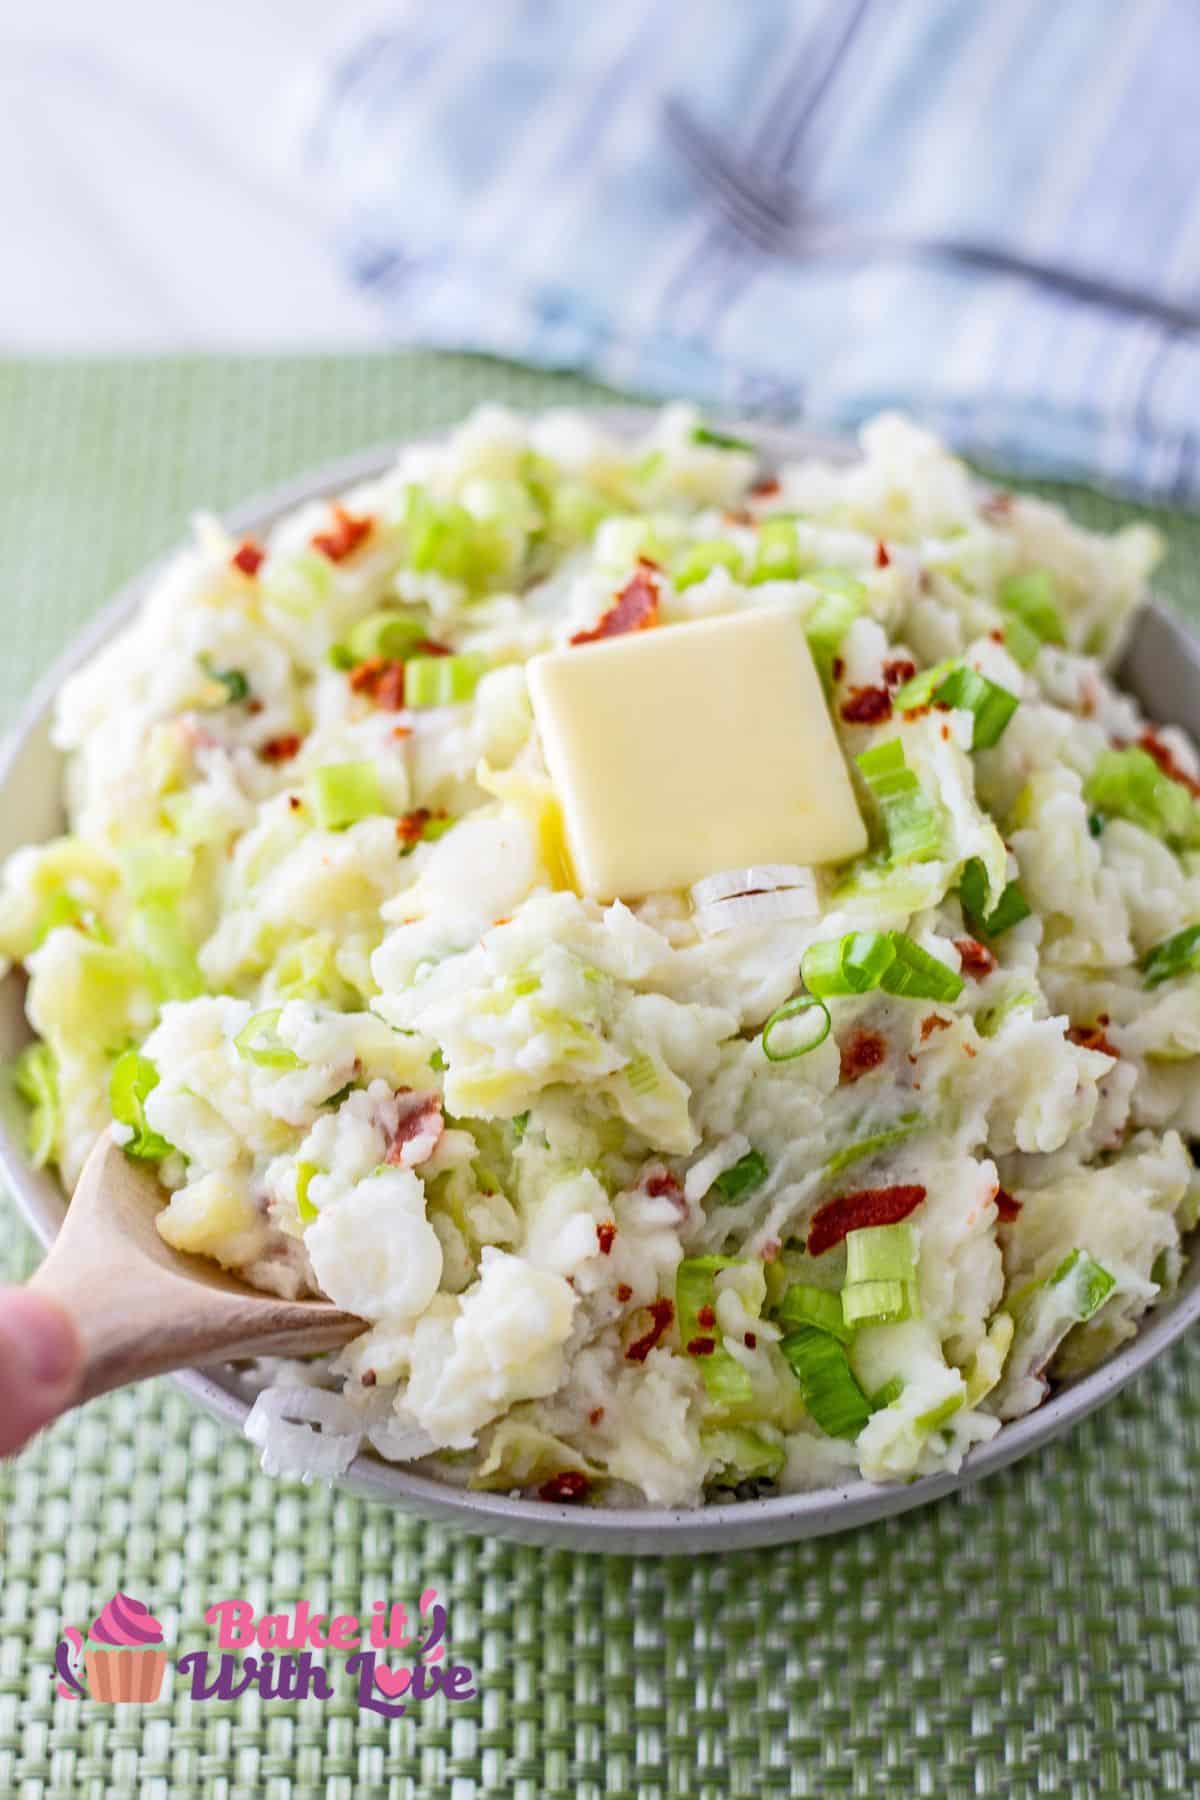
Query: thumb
(40, 1364)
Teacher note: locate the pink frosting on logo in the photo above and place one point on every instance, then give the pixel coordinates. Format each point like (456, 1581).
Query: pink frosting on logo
(125, 1621)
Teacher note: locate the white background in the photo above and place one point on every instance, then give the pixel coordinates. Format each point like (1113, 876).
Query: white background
(153, 192)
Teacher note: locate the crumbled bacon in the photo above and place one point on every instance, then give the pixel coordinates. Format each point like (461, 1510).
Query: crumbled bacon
(1164, 756)
(410, 826)
(934, 1022)
(605, 1234)
(248, 557)
(595, 1416)
(882, 559)
(838, 668)
(369, 1377)
(750, 1340)
(706, 1316)
(663, 1184)
(765, 487)
(344, 535)
(1007, 1207)
(381, 680)
(280, 749)
(867, 706)
(702, 1346)
(899, 670)
(562, 1489)
(867, 1206)
(977, 959)
(624, 1292)
(1093, 1037)
(662, 1314)
(634, 609)
(862, 1052)
(431, 647)
(418, 1128)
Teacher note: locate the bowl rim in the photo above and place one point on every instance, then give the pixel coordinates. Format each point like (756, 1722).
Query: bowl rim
(775, 1519)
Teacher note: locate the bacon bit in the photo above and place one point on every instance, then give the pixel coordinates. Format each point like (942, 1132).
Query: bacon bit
(977, 960)
(764, 487)
(418, 1129)
(996, 635)
(280, 749)
(706, 1316)
(248, 557)
(563, 1489)
(882, 559)
(295, 802)
(738, 515)
(1164, 756)
(935, 1022)
(605, 1234)
(867, 1206)
(1093, 1037)
(867, 706)
(410, 825)
(634, 609)
(431, 647)
(945, 734)
(862, 1052)
(369, 1377)
(900, 669)
(838, 667)
(344, 536)
(381, 680)
(624, 1292)
(401, 731)
(968, 1050)
(595, 1416)
(1006, 1206)
(997, 505)
(662, 1312)
(253, 705)
(702, 1346)
(664, 1183)
(751, 1340)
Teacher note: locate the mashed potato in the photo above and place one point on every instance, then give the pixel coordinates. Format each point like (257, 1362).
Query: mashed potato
(690, 1194)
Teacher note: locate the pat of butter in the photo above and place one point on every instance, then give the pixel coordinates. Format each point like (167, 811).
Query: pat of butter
(687, 749)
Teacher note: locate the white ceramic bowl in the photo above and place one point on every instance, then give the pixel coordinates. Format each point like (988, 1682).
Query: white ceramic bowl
(1162, 669)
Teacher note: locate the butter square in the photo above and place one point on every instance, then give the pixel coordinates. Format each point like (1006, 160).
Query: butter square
(684, 750)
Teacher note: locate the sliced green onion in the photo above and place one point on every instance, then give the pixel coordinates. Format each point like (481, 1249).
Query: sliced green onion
(743, 1454)
(35, 1077)
(520, 1125)
(155, 934)
(703, 558)
(157, 868)
(837, 581)
(1030, 598)
(861, 1148)
(134, 1077)
(62, 909)
(446, 539)
(790, 1010)
(1178, 955)
(881, 1253)
(258, 1041)
(887, 1394)
(304, 1206)
(741, 1179)
(1008, 911)
(438, 1063)
(719, 440)
(392, 635)
(879, 1302)
(442, 680)
(343, 793)
(234, 681)
(825, 626)
(833, 1397)
(954, 684)
(776, 553)
(1021, 643)
(938, 1415)
(853, 964)
(1128, 784)
(806, 1305)
(863, 960)
(726, 1381)
(909, 820)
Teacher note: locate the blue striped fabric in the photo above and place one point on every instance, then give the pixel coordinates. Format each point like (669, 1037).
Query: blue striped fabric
(502, 181)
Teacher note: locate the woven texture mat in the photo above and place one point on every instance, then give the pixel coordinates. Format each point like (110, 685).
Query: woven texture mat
(1038, 1636)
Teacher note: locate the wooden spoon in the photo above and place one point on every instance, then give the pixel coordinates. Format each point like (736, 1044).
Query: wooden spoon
(142, 1308)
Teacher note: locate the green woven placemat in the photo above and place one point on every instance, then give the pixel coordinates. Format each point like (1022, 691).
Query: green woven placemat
(1036, 1636)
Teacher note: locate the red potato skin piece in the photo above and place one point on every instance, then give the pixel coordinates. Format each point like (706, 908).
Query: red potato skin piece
(634, 609)
(344, 535)
(1007, 1207)
(564, 1489)
(280, 749)
(866, 706)
(866, 1206)
(605, 1235)
(662, 1313)
(422, 1117)
(381, 680)
(882, 559)
(977, 961)
(863, 1051)
(247, 559)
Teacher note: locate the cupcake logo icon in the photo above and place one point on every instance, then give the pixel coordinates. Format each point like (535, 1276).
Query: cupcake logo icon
(123, 1656)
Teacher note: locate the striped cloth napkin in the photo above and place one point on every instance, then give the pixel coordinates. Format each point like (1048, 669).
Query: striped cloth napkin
(502, 180)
